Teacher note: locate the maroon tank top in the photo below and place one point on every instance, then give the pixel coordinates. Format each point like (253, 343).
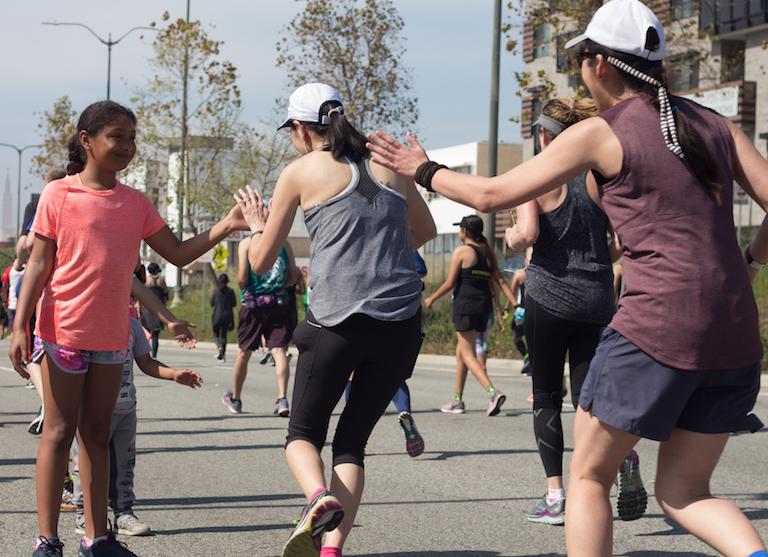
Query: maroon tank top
(688, 300)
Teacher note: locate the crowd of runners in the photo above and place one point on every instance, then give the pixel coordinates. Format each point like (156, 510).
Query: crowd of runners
(631, 179)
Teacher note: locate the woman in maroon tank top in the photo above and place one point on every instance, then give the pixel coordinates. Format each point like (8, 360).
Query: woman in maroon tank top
(666, 168)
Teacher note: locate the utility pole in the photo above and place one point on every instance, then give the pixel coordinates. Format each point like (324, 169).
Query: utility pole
(183, 159)
(489, 219)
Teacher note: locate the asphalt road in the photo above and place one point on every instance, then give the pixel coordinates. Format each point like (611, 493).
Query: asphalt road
(211, 483)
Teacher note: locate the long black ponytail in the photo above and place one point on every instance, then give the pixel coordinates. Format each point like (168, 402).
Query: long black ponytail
(342, 139)
(92, 120)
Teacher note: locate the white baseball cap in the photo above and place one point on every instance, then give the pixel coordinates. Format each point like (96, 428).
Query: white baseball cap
(623, 25)
(306, 103)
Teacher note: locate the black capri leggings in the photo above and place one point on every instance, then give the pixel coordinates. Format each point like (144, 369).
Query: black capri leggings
(381, 353)
(549, 339)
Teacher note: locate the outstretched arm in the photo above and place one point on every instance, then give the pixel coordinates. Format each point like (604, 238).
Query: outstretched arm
(583, 146)
(180, 329)
(159, 370)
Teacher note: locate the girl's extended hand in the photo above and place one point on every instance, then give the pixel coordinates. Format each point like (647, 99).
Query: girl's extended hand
(182, 332)
(428, 301)
(19, 353)
(388, 151)
(252, 206)
(188, 377)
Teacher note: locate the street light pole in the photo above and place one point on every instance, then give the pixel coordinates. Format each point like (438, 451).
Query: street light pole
(108, 42)
(489, 219)
(19, 151)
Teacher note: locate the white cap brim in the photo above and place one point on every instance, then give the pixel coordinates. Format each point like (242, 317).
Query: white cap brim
(576, 40)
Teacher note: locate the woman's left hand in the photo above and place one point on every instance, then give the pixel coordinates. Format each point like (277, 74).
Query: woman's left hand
(252, 207)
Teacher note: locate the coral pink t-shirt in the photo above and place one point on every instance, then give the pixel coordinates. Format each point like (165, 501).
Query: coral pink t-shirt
(98, 234)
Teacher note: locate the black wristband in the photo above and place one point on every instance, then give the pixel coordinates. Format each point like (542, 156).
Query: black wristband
(426, 172)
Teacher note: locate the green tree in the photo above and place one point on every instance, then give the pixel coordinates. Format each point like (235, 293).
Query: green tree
(212, 120)
(56, 128)
(357, 47)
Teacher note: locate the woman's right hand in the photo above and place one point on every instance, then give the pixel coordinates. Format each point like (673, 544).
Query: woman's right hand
(388, 151)
(19, 353)
(251, 204)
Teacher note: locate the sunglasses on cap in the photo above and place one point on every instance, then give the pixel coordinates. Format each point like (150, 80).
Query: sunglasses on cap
(584, 54)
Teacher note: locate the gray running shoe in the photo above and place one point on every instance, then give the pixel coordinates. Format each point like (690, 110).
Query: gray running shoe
(127, 524)
(266, 357)
(633, 498)
(235, 405)
(548, 513)
(49, 548)
(322, 514)
(281, 408)
(453, 407)
(80, 522)
(494, 405)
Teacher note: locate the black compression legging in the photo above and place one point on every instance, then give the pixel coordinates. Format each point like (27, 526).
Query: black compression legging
(549, 339)
(517, 336)
(381, 353)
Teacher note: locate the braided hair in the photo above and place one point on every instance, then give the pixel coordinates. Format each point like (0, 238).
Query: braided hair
(681, 138)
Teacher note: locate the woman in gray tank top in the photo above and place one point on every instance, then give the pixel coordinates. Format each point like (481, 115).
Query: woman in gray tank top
(363, 221)
(680, 361)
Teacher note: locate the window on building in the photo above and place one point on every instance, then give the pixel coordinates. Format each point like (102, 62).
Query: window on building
(732, 61)
(683, 73)
(463, 169)
(682, 9)
(542, 37)
(566, 58)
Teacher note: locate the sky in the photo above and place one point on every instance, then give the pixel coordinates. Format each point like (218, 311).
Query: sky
(448, 47)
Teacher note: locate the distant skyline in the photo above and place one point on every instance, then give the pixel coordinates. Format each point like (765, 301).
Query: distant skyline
(448, 46)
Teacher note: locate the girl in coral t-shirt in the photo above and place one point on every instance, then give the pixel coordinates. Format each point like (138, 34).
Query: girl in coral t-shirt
(89, 228)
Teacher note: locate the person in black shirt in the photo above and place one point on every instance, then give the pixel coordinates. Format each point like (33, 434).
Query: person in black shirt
(223, 302)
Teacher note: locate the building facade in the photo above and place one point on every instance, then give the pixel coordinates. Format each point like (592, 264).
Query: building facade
(718, 56)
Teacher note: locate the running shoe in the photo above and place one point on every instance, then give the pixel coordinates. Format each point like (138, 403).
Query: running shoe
(281, 408)
(49, 548)
(494, 405)
(235, 405)
(264, 360)
(414, 442)
(633, 498)
(80, 522)
(29, 385)
(526, 369)
(548, 513)
(36, 425)
(127, 524)
(67, 499)
(322, 514)
(272, 359)
(106, 548)
(453, 407)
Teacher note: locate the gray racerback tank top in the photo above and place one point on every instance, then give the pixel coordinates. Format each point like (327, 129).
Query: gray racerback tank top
(360, 253)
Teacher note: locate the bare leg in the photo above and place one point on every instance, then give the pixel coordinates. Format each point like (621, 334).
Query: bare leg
(239, 372)
(62, 393)
(347, 485)
(282, 371)
(102, 385)
(685, 466)
(598, 452)
(466, 346)
(306, 466)
(461, 372)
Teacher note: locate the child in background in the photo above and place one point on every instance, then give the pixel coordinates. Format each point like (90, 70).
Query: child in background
(87, 226)
(123, 437)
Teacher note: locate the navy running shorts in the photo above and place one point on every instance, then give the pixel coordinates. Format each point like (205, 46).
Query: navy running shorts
(629, 390)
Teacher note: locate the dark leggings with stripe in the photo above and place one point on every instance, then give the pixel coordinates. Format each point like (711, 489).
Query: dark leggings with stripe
(549, 339)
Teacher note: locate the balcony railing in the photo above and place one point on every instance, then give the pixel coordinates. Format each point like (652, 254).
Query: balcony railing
(719, 17)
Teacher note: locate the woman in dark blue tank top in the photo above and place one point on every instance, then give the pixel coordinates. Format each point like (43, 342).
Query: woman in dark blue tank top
(473, 276)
